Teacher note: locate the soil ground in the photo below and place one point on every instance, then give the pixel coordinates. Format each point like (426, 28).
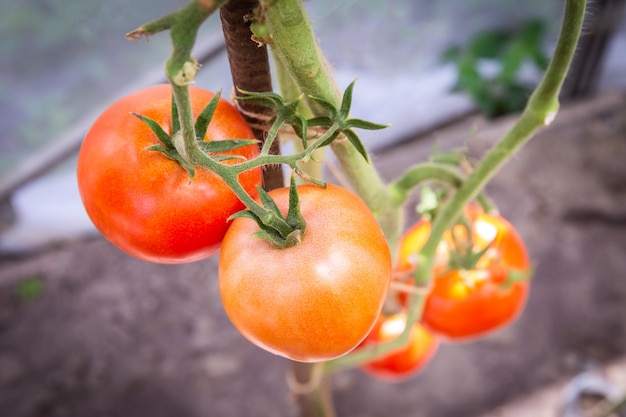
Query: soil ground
(112, 336)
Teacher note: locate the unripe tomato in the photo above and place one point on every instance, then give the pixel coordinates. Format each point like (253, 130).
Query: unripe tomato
(314, 301)
(144, 202)
(468, 302)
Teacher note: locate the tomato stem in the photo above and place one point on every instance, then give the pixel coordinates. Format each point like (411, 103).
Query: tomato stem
(295, 48)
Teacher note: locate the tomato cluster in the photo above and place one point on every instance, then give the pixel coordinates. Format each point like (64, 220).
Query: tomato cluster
(480, 277)
(313, 301)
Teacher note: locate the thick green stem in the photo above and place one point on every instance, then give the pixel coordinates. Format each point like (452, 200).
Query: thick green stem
(294, 46)
(289, 90)
(540, 111)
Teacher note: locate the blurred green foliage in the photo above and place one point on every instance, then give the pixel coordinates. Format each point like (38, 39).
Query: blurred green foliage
(503, 92)
(29, 288)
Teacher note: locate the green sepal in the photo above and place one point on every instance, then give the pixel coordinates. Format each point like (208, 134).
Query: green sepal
(330, 108)
(516, 275)
(294, 216)
(161, 134)
(203, 120)
(286, 112)
(323, 121)
(172, 154)
(268, 202)
(247, 214)
(364, 124)
(271, 236)
(356, 142)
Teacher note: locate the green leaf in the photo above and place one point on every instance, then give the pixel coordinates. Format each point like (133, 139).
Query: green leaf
(451, 54)
(489, 44)
(29, 288)
(156, 129)
(203, 120)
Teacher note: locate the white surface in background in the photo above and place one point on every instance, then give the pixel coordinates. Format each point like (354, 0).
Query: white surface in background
(48, 210)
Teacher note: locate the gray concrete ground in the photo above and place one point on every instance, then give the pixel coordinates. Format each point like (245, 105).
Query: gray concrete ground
(112, 336)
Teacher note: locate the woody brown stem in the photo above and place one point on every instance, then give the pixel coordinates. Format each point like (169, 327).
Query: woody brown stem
(250, 70)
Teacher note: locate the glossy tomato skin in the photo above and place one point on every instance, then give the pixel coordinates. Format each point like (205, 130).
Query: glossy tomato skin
(466, 303)
(143, 202)
(407, 361)
(314, 301)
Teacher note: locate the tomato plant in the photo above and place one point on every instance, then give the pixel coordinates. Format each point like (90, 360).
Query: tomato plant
(144, 202)
(481, 275)
(316, 300)
(408, 360)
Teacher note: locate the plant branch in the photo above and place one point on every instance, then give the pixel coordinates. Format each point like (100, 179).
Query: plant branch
(540, 111)
(294, 46)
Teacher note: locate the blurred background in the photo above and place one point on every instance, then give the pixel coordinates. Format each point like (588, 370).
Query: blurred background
(422, 66)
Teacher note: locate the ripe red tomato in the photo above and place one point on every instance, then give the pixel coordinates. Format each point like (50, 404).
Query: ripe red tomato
(472, 301)
(407, 361)
(316, 300)
(142, 201)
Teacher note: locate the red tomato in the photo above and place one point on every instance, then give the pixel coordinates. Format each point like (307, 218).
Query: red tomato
(468, 302)
(316, 300)
(407, 361)
(142, 201)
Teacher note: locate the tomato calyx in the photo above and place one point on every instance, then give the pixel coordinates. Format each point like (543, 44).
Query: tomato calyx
(170, 145)
(338, 121)
(281, 231)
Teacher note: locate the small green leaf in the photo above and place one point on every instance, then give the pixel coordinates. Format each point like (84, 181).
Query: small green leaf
(156, 129)
(203, 120)
(356, 142)
(29, 288)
